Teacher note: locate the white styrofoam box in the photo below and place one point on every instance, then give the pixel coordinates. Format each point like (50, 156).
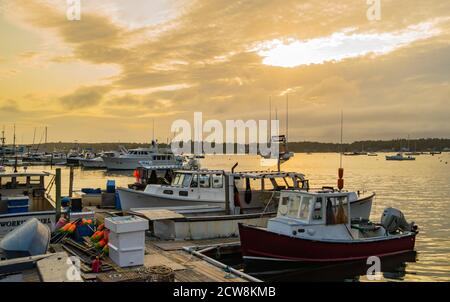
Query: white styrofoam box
(127, 240)
(126, 224)
(126, 257)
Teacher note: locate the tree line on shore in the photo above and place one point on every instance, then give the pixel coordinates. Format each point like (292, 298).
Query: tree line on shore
(419, 145)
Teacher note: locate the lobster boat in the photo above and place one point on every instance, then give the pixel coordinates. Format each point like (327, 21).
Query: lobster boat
(318, 228)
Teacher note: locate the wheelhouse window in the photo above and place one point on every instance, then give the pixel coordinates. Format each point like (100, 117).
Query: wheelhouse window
(194, 182)
(177, 180)
(217, 181)
(187, 180)
(305, 208)
(204, 180)
(318, 210)
(283, 206)
(294, 205)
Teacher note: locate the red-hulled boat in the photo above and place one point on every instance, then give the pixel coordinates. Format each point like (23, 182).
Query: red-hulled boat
(314, 227)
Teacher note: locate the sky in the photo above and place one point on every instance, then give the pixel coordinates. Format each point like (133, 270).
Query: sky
(127, 63)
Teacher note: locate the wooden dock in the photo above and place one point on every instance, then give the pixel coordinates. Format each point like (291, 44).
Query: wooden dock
(188, 267)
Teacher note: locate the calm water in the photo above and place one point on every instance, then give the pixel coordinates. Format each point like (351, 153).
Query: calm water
(420, 189)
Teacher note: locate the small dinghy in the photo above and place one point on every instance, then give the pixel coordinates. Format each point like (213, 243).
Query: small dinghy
(30, 239)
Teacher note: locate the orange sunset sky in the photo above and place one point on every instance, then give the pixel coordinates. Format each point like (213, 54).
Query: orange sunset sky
(106, 77)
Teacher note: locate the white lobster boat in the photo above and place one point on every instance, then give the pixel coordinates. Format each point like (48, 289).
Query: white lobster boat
(246, 192)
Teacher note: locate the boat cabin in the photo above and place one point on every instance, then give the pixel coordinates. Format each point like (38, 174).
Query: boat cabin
(246, 190)
(24, 184)
(322, 215)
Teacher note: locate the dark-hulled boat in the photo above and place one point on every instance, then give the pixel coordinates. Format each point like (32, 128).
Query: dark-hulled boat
(316, 227)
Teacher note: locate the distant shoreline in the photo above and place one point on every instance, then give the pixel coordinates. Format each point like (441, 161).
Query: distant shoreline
(415, 145)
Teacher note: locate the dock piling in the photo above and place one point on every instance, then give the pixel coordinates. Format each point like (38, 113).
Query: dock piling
(58, 193)
(71, 182)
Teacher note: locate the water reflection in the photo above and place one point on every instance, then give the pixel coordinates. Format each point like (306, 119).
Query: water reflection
(420, 189)
(392, 268)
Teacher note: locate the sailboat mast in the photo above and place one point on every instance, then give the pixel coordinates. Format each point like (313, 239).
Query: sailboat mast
(14, 148)
(3, 144)
(270, 119)
(287, 117)
(153, 130)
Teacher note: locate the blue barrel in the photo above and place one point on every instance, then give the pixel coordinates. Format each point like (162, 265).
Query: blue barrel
(117, 200)
(111, 186)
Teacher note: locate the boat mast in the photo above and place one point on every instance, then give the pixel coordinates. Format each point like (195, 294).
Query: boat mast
(270, 120)
(3, 139)
(14, 148)
(341, 169)
(287, 118)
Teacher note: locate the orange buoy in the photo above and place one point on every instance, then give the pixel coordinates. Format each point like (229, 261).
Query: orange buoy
(340, 183)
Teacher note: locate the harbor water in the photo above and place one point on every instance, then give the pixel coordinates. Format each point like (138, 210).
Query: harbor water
(420, 189)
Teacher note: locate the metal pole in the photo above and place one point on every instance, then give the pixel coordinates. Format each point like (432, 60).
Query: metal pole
(227, 193)
(71, 182)
(58, 193)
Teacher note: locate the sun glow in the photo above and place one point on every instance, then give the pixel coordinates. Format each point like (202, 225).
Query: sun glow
(339, 46)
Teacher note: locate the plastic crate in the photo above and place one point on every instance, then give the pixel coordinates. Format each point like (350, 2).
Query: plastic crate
(128, 257)
(19, 201)
(83, 231)
(18, 209)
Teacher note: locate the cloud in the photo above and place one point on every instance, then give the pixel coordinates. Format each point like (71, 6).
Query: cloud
(84, 97)
(208, 52)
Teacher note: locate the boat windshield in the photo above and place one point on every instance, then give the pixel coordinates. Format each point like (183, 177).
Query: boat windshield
(296, 206)
(182, 180)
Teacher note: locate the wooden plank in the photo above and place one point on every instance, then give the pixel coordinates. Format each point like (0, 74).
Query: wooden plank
(178, 245)
(155, 215)
(157, 260)
(55, 268)
(191, 276)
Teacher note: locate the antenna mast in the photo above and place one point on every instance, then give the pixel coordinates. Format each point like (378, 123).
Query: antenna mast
(342, 134)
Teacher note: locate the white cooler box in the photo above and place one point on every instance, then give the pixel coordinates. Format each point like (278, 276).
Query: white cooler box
(126, 240)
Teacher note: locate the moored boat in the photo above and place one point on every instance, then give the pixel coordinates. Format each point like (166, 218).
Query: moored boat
(23, 197)
(315, 227)
(250, 191)
(131, 159)
(400, 157)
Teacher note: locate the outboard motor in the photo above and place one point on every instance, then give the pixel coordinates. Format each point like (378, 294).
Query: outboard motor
(393, 220)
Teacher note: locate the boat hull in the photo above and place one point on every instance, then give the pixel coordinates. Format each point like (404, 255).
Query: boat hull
(92, 164)
(130, 199)
(134, 199)
(9, 222)
(261, 245)
(118, 163)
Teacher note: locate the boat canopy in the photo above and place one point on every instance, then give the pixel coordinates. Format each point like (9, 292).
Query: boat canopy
(269, 175)
(24, 174)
